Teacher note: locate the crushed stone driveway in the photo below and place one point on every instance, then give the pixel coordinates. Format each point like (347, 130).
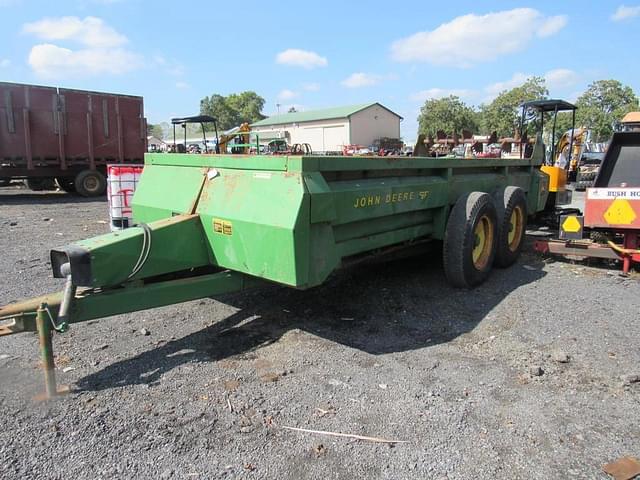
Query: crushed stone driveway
(528, 376)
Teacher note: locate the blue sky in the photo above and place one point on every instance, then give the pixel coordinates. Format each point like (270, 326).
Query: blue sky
(316, 54)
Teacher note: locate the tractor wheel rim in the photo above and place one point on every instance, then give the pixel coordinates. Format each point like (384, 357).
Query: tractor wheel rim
(483, 234)
(516, 227)
(91, 183)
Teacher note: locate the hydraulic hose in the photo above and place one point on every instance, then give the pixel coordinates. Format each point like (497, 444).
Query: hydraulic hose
(144, 251)
(621, 250)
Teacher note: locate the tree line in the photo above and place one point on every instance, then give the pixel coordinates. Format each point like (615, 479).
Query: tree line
(229, 111)
(600, 108)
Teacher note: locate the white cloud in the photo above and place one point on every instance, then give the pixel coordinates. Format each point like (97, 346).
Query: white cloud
(471, 39)
(360, 79)
(557, 79)
(182, 85)
(172, 67)
(287, 94)
(435, 93)
(561, 78)
(301, 58)
(52, 61)
(311, 87)
(101, 50)
(5, 62)
(516, 80)
(623, 13)
(552, 25)
(90, 31)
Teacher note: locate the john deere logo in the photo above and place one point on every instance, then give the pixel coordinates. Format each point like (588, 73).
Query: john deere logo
(620, 212)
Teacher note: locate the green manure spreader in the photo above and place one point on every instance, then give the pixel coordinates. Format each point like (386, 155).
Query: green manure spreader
(213, 224)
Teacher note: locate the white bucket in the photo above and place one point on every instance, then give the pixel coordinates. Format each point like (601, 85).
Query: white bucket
(122, 180)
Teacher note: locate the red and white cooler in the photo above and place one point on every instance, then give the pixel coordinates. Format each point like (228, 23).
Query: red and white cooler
(122, 180)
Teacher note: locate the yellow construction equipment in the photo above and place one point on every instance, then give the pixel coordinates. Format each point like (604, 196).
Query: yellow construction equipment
(241, 139)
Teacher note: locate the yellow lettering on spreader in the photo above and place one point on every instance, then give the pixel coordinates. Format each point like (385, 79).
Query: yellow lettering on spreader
(394, 197)
(368, 201)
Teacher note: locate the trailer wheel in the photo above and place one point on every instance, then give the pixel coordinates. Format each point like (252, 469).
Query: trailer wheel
(67, 184)
(90, 183)
(511, 208)
(470, 240)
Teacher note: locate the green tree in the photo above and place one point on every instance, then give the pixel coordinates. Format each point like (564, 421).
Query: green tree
(217, 106)
(503, 115)
(234, 109)
(449, 114)
(157, 130)
(563, 123)
(602, 105)
(249, 106)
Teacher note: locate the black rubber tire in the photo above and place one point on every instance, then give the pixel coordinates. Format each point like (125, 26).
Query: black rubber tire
(507, 200)
(90, 183)
(38, 184)
(459, 240)
(34, 184)
(67, 184)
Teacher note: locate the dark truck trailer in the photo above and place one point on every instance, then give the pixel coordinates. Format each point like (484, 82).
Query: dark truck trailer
(49, 133)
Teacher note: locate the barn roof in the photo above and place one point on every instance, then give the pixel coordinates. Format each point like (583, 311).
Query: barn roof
(631, 117)
(314, 115)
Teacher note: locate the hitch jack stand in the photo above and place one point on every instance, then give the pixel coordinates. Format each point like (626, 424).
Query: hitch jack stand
(43, 323)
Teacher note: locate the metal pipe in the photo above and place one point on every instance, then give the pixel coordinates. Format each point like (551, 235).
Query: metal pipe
(215, 127)
(573, 132)
(68, 295)
(553, 137)
(43, 323)
(204, 137)
(522, 131)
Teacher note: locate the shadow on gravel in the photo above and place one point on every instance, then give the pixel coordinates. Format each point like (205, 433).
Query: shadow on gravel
(383, 308)
(22, 197)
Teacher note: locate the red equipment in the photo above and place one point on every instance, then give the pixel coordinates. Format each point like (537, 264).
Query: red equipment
(69, 135)
(612, 208)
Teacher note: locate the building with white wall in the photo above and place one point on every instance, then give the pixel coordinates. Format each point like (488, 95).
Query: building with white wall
(328, 130)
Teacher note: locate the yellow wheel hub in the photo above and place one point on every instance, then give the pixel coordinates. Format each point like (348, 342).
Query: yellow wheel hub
(483, 243)
(516, 227)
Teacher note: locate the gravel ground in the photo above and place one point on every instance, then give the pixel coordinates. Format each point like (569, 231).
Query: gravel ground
(383, 350)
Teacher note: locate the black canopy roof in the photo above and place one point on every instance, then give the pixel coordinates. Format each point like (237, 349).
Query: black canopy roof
(549, 105)
(194, 119)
